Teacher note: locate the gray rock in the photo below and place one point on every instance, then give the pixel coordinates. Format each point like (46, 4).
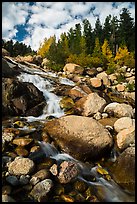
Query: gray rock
(13, 180)
(41, 189)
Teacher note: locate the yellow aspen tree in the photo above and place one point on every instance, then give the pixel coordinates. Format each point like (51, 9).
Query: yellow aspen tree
(44, 47)
(107, 53)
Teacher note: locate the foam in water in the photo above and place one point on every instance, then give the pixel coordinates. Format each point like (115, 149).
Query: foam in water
(53, 107)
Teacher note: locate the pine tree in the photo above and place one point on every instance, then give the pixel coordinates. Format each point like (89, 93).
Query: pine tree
(98, 30)
(126, 29)
(88, 35)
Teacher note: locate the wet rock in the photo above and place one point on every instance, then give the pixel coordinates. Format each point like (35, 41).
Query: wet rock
(42, 174)
(21, 151)
(125, 137)
(13, 180)
(21, 166)
(91, 104)
(67, 198)
(54, 169)
(68, 172)
(36, 110)
(73, 68)
(82, 139)
(6, 190)
(123, 170)
(22, 141)
(7, 71)
(123, 123)
(66, 103)
(41, 189)
(7, 198)
(19, 97)
(24, 179)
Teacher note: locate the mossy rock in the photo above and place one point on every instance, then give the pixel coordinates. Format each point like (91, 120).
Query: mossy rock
(66, 103)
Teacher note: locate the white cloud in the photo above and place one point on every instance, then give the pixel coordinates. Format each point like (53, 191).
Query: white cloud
(12, 15)
(44, 18)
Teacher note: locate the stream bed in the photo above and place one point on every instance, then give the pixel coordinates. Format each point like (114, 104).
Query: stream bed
(93, 183)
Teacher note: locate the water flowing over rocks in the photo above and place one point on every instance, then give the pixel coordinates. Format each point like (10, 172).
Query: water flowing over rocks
(20, 97)
(89, 139)
(66, 136)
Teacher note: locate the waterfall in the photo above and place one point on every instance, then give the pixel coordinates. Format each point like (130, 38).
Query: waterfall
(44, 85)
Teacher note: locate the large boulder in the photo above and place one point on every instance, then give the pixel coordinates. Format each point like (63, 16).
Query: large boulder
(5, 52)
(123, 170)
(73, 68)
(9, 70)
(119, 110)
(90, 104)
(20, 97)
(81, 137)
(37, 59)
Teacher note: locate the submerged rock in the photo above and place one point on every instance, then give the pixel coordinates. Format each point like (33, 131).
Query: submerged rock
(86, 138)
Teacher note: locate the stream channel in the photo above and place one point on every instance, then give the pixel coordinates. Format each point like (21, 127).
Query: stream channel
(45, 82)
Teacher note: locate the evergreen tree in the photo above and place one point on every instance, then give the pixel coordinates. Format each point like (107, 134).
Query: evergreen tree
(98, 30)
(126, 29)
(88, 35)
(107, 28)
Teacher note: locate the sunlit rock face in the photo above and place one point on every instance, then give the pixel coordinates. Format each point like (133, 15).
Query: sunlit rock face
(85, 139)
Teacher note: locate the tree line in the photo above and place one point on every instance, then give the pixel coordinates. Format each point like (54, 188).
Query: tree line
(105, 45)
(17, 48)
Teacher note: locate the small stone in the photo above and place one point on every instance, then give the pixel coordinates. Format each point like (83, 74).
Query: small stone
(68, 171)
(7, 198)
(21, 166)
(12, 180)
(41, 189)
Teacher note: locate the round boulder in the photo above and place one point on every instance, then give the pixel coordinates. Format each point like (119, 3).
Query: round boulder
(81, 137)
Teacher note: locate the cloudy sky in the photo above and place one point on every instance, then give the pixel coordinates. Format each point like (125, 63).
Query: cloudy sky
(31, 22)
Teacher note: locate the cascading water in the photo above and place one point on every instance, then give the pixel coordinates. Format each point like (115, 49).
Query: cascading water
(44, 85)
(112, 192)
